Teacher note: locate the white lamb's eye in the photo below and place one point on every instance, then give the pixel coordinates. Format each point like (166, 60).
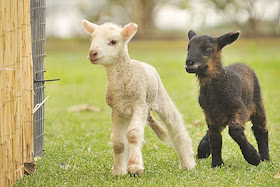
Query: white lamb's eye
(113, 42)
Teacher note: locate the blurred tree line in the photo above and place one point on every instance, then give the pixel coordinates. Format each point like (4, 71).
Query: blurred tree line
(143, 13)
(253, 25)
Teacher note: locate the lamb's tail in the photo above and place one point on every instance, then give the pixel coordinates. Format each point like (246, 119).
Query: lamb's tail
(159, 130)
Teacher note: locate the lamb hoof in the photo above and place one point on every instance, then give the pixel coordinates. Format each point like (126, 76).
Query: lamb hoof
(202, 155)
(119, 172)
(265, 157)
(136, 174)
(135, 169)
(217, 164)
(254, 160)
(203, 150)
(190, 164)
(252, 157)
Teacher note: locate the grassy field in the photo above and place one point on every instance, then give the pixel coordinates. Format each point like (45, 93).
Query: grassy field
(78, 150)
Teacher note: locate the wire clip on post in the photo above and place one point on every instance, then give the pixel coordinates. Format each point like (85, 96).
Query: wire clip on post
(48, 80)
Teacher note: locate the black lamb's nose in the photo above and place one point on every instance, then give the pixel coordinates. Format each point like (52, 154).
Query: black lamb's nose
(189, 62)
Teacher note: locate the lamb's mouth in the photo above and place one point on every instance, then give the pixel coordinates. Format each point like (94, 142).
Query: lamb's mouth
(191, 68)
(94, 61)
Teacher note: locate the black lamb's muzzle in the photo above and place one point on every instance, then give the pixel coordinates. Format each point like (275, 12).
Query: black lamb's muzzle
(191, 66)
(191, 70)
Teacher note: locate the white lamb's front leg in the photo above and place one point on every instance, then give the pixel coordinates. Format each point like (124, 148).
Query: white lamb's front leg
(135, 136)
(120, 144)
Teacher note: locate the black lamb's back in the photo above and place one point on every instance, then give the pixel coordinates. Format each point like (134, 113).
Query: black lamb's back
(249, 84)
(232, 89)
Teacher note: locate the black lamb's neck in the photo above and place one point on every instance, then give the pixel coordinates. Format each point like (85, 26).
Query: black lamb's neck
(216, 76)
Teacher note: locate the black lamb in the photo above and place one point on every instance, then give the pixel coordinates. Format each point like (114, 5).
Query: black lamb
(228, 96)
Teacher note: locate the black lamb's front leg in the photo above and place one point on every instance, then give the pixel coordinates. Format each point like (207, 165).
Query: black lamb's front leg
(216, 146)
(203, 150)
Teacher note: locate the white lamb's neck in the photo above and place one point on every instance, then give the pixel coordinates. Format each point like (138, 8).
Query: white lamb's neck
(119, 66)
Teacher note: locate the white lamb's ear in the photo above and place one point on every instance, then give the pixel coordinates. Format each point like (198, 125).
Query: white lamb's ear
(129, 31)
(88, 26)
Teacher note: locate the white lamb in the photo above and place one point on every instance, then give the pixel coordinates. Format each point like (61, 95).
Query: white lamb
(134, 90)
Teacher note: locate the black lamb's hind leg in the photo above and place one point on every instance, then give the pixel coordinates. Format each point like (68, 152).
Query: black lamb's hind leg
(258, 119)
(236, 131)
(203, 150)
(261, 133)
(262, 139)
(215, 138)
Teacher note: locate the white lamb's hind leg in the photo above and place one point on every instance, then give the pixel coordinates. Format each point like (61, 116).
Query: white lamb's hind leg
(183, 145)
(120, 144)
(135, 136)
(178, 134)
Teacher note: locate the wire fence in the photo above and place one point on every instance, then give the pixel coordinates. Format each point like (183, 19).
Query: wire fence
(38, 25)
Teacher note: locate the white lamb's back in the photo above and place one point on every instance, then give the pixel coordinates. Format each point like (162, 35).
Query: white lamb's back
(152, 81)
(148, 71)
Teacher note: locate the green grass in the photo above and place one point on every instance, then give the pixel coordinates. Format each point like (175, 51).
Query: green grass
(82, 140)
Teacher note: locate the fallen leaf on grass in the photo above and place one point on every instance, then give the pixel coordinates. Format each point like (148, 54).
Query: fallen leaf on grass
(29, 168)
(197, 123)
(277, 176)
(64, 166)
(83, 108)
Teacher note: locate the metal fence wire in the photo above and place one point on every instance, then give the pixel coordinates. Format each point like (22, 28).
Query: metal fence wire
(38, 34)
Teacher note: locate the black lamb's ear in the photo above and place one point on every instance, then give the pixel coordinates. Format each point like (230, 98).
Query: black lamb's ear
(191, 34)
(227, 39)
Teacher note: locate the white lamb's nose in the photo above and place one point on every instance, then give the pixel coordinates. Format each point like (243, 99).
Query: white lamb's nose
(93, 54)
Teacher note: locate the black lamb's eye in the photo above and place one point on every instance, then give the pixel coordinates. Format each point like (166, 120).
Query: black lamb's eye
(113, 42)
(208, 52)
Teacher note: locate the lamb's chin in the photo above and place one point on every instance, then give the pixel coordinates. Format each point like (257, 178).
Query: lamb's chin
(93, 62)
(96, 61)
